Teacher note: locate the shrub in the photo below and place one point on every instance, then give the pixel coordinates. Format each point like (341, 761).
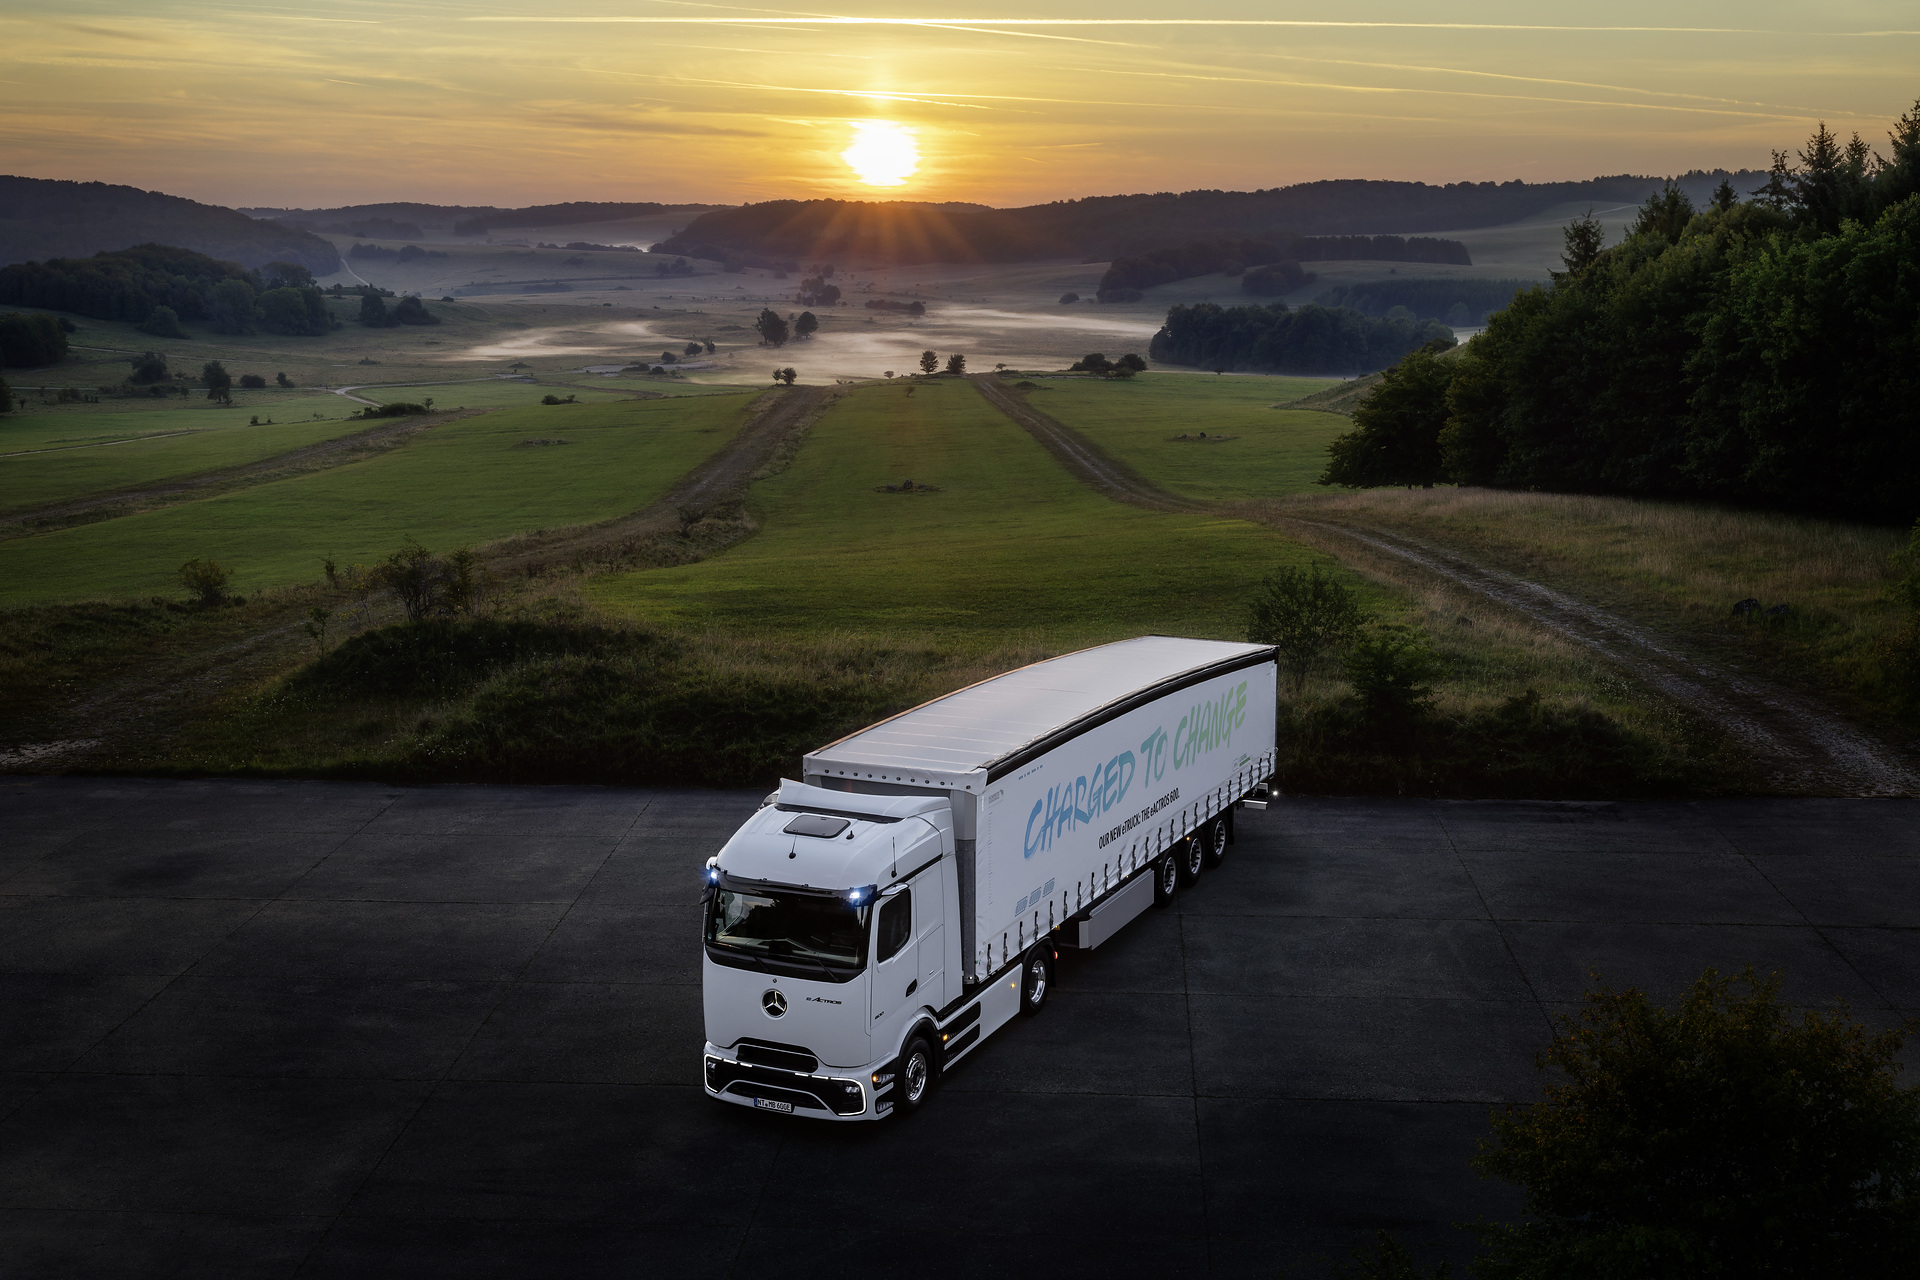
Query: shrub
(1303, 615)
(163, 322)
(1068, 298)
(550, 398)
(206, 579)
(148, 367)
(283, 380)
(1392, 670)
(1719, 1138)
(252, 381)
(397, 409)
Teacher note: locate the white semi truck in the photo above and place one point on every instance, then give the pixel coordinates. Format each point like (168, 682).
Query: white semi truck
(875, 922)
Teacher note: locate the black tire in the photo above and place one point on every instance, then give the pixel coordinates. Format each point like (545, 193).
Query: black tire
(914, 1076)
(1193, 857)
(1036, 979)
(1215, 836)
(1166, 878)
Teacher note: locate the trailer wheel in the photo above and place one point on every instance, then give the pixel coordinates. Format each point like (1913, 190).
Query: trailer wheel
(1166, 878)
(1215, 834)
(1193, 856)
(1036, 979)
(914, 1076)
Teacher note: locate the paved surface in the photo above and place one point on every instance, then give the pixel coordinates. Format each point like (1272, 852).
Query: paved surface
(344, 1030)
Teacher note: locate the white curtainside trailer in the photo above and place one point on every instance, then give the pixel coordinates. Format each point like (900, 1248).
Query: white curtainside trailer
(875, 922)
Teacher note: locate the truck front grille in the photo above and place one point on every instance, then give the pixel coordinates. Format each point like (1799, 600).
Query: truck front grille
(788, 1057)
(842, 1097)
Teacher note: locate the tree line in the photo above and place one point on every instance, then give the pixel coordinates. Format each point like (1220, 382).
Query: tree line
(1457, 302)
(1308, 340)
(1764, 351)
(157, 287)
(1127, 275)
(31, 341)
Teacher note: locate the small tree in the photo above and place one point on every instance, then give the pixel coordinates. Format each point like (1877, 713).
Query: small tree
(692, 349)
(149, 367)
(252, 381)
(805, 326)
(786, 375)
(373, 311)
(956, 364)
(1392, 671)
(708, 344)
(1720, 1138)
(163, 322)
(219, 381)
(316, 626)
(466, 583)
(207, 580)
(771, 328)
(929, 362)
(1303, 615)
(283, 380)
(416, 578)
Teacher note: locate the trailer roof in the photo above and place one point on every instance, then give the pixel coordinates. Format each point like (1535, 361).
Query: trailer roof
(954, 741)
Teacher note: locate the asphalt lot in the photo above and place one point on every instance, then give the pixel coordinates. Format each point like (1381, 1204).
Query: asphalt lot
(350, 1030)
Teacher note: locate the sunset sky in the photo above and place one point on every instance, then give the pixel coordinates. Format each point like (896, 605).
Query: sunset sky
(493, 102)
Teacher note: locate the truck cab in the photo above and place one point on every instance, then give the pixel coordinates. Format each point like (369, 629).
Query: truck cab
(830, 950)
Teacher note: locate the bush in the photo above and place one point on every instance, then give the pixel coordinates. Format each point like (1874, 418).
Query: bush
(1068, 298)
(397, 409)
(1303, 615)
(1719, 1138)
(1392, 670)
(283, 380)
(163, 322)
(441, 658)
(207, 580)
(550, 398)
(253, 381)
(148, 367)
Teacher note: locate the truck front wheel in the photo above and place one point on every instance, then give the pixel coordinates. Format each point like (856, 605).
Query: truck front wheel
(1036, 977)
(914, 1077)
(1166, 878)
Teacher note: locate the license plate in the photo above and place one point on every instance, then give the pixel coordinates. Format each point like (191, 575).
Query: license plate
(773, 1104)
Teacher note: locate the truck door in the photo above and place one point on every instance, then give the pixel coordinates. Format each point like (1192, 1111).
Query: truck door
(896, 969)
(930, 914)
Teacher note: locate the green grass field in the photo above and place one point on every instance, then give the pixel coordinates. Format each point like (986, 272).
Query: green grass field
(1009, 549)
(470, 481)
(58, 455)
(491, 394)
(1272, 452)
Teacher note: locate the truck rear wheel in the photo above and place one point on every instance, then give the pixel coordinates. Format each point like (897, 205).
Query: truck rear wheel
(1166, 878)
(1216, 841)
(913, 1079)
(1193, 856)
(1036, 979)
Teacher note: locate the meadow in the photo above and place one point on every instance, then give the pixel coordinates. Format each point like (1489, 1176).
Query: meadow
(1253, 446)
(473, 480)
(65, 453)
(994, 544)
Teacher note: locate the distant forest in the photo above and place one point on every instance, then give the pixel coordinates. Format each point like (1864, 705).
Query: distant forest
(158, 287)
(1457, 302)
(42, 219)
(1102, 228)
(1307, 340)
(411, 221)
(1127, 276)
(1762, 351)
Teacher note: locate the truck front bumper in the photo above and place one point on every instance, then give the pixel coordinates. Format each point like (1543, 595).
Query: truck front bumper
(845, 1095)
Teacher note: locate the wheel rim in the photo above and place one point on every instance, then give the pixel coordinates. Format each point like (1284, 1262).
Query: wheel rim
(916, 1076)
(1218, 837)
(1169, 875)
(1036, 981)
(1196, 854)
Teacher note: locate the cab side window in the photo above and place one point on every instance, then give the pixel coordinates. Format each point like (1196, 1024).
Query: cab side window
(896, 924)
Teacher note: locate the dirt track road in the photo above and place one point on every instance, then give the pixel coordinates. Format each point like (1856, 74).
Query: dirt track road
(1798, 745)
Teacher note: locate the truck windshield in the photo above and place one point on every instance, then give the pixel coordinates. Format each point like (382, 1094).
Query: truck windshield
(807, 935)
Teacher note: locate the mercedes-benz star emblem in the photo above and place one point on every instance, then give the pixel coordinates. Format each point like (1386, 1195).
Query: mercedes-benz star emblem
(773, 1002)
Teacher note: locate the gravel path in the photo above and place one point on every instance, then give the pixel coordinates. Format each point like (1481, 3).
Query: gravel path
(1798, 745)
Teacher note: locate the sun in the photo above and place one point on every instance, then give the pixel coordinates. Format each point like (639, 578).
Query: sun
(882, 153)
